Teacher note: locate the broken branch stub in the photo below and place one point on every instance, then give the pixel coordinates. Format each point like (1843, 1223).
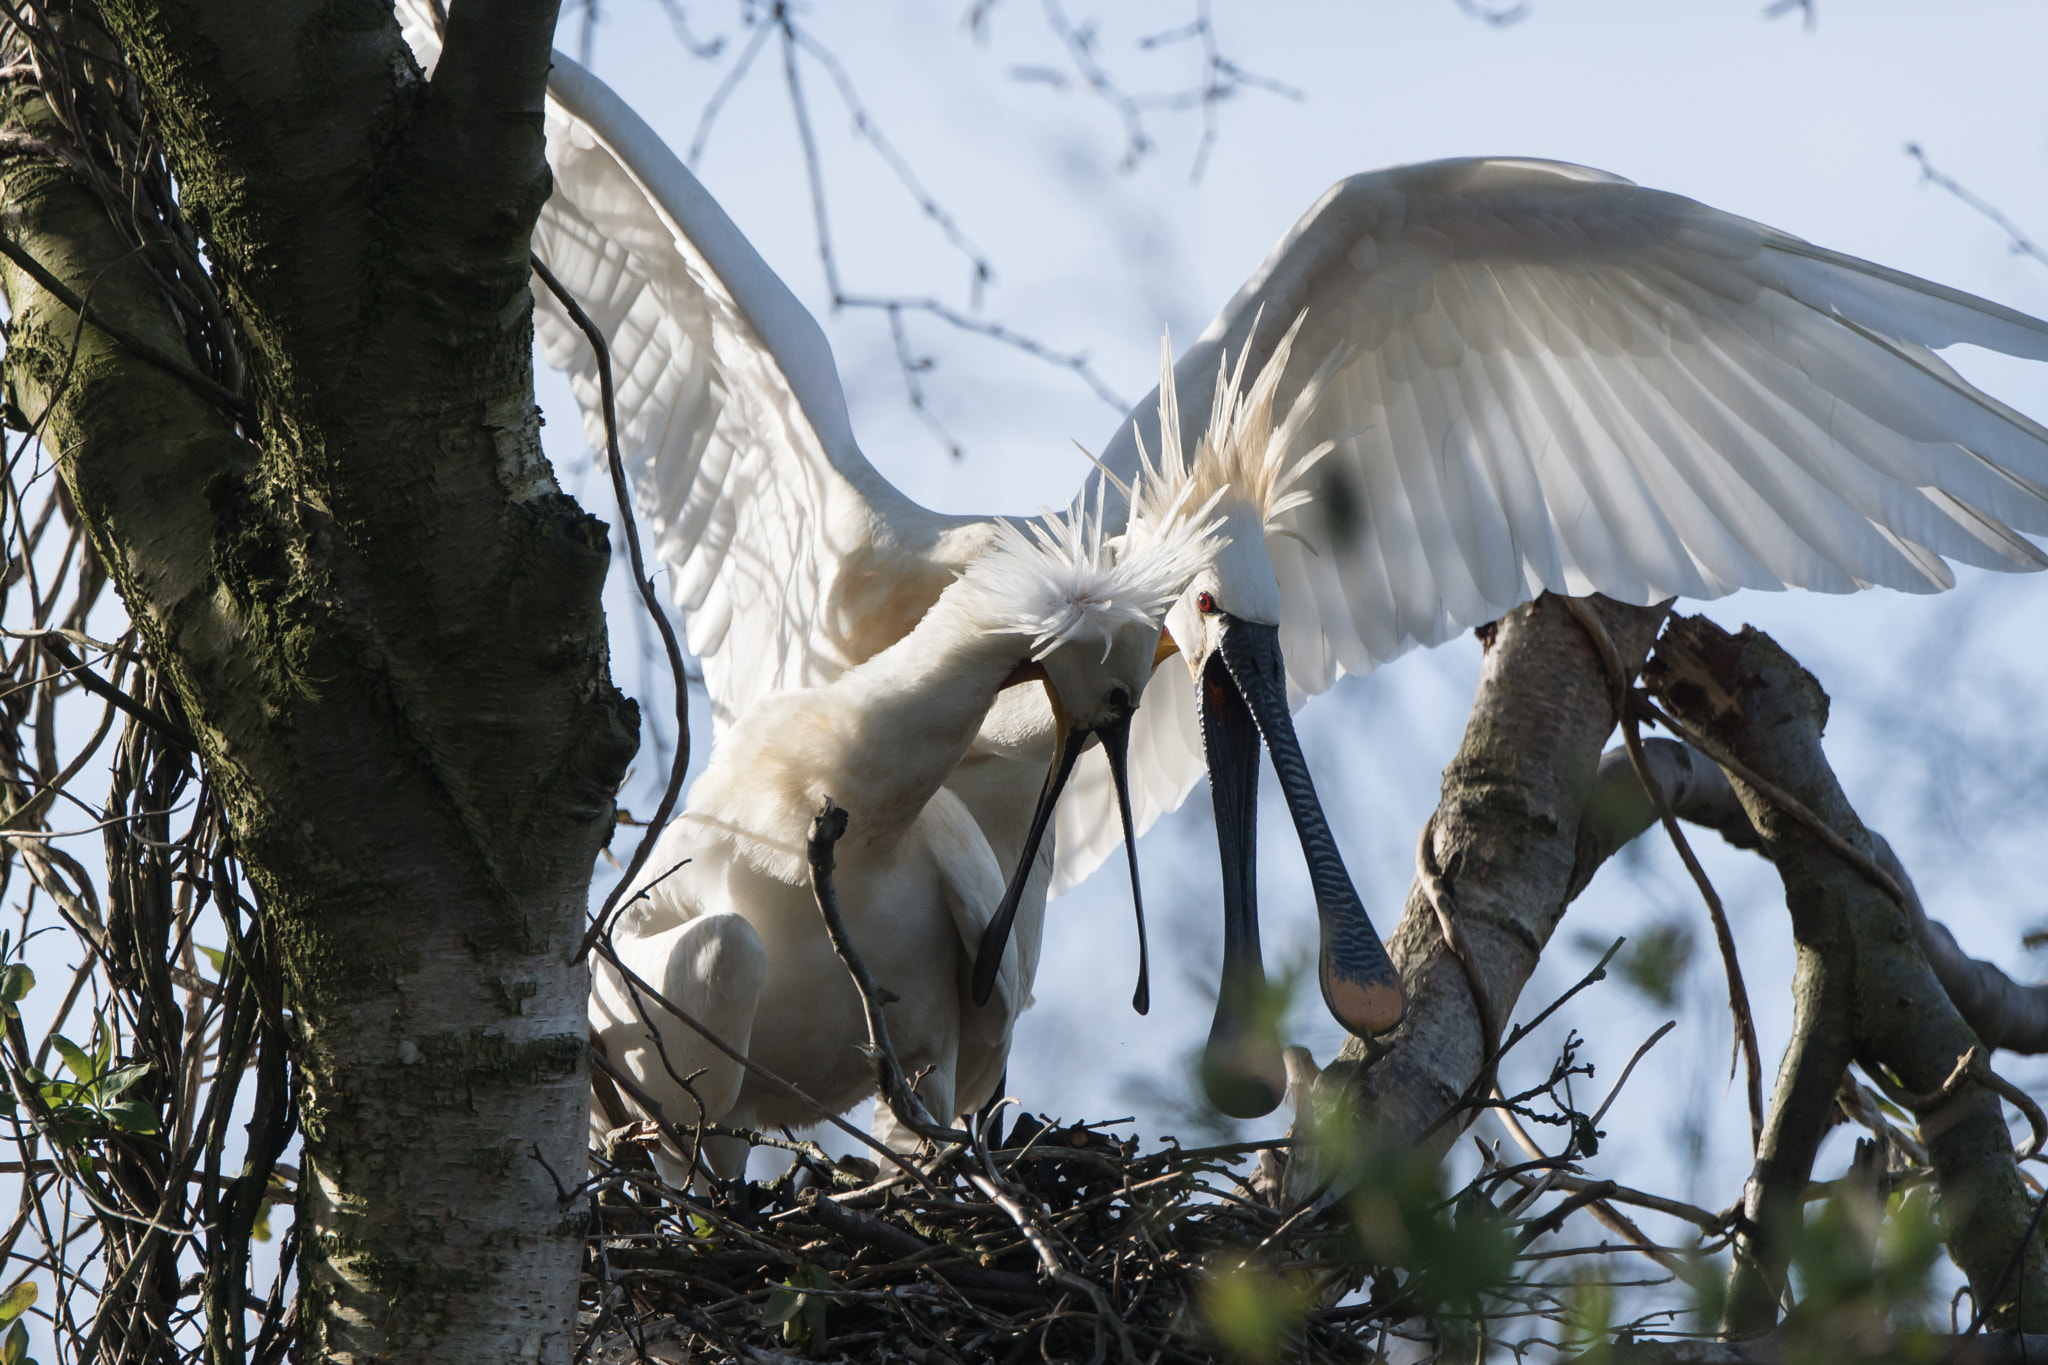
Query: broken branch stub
(1862, 989)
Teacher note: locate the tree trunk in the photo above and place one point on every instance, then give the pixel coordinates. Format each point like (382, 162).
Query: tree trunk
(378, 609)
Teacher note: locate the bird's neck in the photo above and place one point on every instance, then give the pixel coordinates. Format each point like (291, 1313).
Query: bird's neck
(914, 709)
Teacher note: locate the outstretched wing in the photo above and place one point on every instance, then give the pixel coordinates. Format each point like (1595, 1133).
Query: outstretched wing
(791, 558)
(1559, 380)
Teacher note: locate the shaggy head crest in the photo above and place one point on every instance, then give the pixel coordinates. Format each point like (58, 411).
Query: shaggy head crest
(1060, 580)
(1242, 453)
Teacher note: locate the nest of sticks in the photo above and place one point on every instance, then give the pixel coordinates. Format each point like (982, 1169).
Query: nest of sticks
(1054, 1243)
(1051, 1242)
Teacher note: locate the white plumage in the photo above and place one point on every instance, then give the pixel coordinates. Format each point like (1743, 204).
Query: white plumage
(1550, 378)
(1559, 380)
(727, 928)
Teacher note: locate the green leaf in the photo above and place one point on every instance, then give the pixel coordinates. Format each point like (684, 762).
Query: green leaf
(1254, 1310)
(114, 1082)
(814, 1305)
(103, 1052)
(17, 1300)
(74, 1057)
(133, 1116)
(218, 958)
(15, 1351)
(16, 982)
(782, 1306)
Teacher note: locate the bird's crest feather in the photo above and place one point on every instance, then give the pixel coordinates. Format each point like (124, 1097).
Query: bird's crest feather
(1243, 453)
(1060, 579)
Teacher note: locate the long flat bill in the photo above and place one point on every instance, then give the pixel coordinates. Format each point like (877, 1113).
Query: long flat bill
(1116, 747)
(1066, 748)
(1358, 979)
(1242, 1069)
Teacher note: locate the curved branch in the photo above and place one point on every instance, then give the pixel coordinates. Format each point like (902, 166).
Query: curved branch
(1999, 1009)
(1524, 821)
(1862, 990)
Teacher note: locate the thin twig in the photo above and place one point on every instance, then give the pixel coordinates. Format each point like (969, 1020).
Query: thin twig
(212, 390)
(641, 583)
(2021, 244)
(826, 828)
(1626, 701)
(1783, 800)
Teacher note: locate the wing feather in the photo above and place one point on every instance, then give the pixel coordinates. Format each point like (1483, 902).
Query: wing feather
(790, 557)
(1555, 379)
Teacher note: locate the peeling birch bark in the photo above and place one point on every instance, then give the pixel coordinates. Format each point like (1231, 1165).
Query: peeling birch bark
(381, 616)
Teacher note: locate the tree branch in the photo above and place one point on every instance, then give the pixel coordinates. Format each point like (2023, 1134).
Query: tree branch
(482, 142)
(1862, 988)
(1997, 1008)
(1512, 838)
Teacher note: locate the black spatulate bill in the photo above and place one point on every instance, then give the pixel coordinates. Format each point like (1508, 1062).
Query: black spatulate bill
(1358, 979)
(1068, 744)
(1242, 1070)
(1066, 750)
(1116, 747)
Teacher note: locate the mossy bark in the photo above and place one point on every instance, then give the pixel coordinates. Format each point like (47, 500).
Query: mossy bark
(1861, 991)
(380, 613)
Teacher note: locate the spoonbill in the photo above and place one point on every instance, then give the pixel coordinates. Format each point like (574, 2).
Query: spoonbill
(732, 935)
(1554, 380)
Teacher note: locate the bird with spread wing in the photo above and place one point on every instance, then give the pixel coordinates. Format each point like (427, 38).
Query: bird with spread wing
(1532, 376)
(723, 923)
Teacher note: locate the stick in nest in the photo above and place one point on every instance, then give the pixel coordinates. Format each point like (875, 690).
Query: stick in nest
(826, 828)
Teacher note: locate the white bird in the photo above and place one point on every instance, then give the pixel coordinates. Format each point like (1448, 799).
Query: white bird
(727, 928)
(1553, 379)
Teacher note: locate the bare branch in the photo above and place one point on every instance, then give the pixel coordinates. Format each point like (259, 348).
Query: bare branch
(2020, 243)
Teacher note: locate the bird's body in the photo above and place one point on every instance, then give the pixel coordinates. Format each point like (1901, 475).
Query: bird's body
(728, 928)
(915, 876)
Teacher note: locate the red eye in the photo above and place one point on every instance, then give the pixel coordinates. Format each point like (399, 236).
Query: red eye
(1205, 604)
